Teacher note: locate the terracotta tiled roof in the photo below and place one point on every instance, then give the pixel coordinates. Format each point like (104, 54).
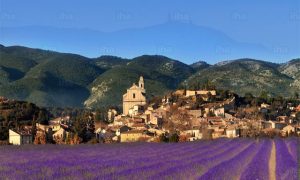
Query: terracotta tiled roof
(22, 132)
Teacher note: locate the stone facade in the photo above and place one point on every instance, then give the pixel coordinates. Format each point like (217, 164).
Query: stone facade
(200, 92)
(136, 95)
(19, 137)
(132, 136)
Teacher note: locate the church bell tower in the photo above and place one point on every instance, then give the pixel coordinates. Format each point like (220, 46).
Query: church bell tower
(141, 82)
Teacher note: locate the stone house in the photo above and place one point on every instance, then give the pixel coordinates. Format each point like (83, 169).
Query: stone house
(264, 105)
(287, 130)
(219, 111)
(132, 136)
(280, 125)
(119, 129)
(231, 132)
(139, 126)
(189, 93)
(119, 122)
(268, 125)
(61, 135)
(216, 121)
(111, 114)
(156, 120)
(153, 117)
(20, 137)
(136, 110)
(195, 113)
(217, 131)
(193, 134)
(107, 135)
(55, 124)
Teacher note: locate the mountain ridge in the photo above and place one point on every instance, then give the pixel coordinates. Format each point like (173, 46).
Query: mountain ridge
(50, 78)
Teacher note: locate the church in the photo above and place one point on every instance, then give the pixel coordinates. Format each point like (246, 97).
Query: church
(136, 95)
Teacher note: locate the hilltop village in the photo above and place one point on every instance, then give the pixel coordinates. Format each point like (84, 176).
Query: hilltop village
(182, 115)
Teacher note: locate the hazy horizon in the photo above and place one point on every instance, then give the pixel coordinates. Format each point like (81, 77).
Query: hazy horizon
(130, 58)
(210, 31)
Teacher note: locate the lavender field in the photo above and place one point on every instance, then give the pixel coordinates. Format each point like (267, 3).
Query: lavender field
(217, 159)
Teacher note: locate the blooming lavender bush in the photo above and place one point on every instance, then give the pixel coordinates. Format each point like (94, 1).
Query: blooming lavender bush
(293, 145)
(259, 166)
(286, 165)
(216, 159)
(197, 165)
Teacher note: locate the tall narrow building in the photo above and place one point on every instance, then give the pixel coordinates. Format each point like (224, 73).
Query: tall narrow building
(136, 95)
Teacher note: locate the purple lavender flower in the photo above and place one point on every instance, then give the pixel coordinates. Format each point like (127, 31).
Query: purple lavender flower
(222, 158)
(259, 166)
(286, 166)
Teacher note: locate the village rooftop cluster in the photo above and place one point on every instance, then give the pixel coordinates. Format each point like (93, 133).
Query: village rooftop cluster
(183, 115)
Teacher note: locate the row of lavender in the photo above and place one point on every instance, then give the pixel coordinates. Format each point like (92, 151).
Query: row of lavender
(217, 159)
(287, 162)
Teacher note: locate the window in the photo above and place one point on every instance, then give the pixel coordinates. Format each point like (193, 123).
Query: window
(133, 95)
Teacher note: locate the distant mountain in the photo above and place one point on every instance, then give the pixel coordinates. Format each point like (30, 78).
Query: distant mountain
(57, 79)
(161, 74)
(16, 61)
(199, 65)
(50, 78)
(60, 79)
(36, 55)
(108, 62)
(246, 75)
(186, 43)
(292, 69)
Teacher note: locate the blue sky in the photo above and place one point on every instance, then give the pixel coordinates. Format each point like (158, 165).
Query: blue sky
(269, 28)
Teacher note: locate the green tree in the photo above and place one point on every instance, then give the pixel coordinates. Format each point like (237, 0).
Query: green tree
(98, 116)
(163, 138)
(296, 95)
(208, 85)
(174, 137)
(80, 128)
(43, 117)
(248, 98)
(264, 95)
(33, 129)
